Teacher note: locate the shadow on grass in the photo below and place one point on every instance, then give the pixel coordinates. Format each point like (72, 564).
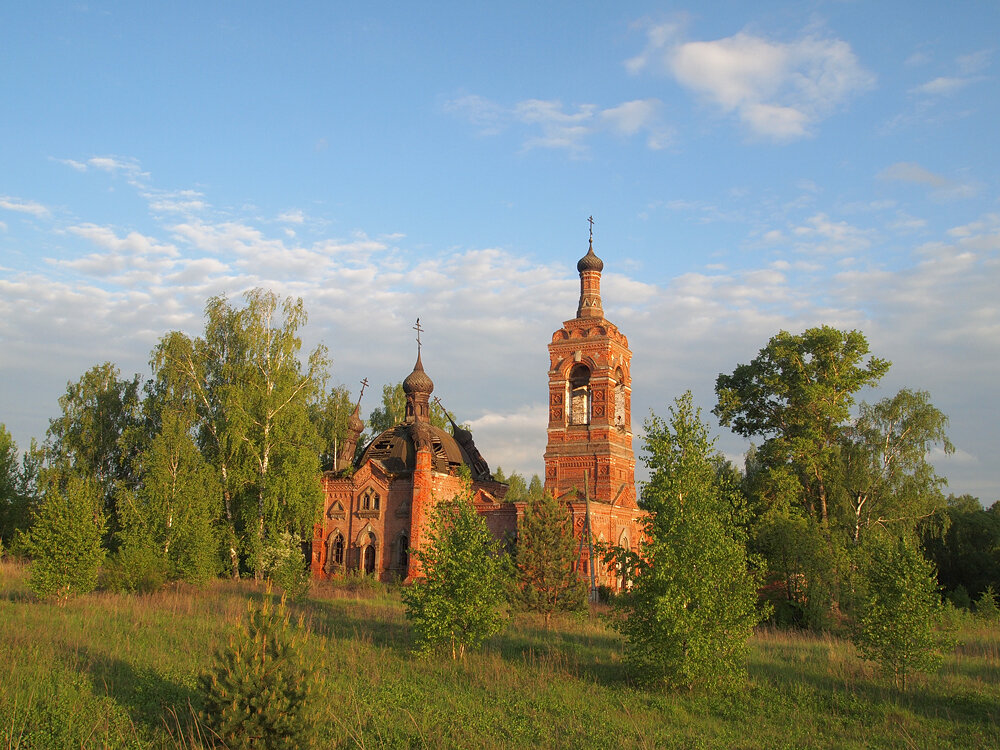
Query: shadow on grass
(146, 695)
(920, 697)
(342, 620)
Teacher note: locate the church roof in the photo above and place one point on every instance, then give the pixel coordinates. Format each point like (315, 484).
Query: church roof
(396, 450)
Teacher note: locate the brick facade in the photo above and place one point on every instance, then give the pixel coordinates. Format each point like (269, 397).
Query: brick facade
(374, 517)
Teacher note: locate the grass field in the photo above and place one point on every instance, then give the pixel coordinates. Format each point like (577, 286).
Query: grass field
(120, 671)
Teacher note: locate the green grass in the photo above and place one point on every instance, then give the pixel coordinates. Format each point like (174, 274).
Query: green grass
(120, 671)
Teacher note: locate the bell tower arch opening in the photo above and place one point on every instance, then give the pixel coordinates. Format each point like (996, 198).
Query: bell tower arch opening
(580, 400)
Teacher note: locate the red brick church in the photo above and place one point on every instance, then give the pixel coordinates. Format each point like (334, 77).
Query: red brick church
(376, 510)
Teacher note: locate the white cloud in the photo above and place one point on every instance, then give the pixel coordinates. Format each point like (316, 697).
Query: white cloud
(548, 123)
(292, 217)
(944, 189)
(779, 90)
(942, 85)
(489, 313)
(22, 206)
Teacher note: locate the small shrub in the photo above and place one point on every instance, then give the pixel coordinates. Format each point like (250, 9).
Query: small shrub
(284, 564)
(462, 600)
(899, 615)
(960, 597)
(986, 606)
(65, 541)
(260, 692)
(134, 569)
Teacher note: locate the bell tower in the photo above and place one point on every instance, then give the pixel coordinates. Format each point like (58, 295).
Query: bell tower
(590, 402)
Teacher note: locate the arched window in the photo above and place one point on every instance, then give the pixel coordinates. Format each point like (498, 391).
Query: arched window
(579, 394)
(370, 500)
(334, 552)
(404, 552)
(369, 555)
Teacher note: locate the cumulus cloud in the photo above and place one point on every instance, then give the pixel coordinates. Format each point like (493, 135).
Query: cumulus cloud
(778, 90)
(488, 313)
(548, 123)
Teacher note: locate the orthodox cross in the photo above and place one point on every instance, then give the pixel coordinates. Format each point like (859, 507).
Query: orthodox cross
(591, 220)
(419, 330)
(364, 384)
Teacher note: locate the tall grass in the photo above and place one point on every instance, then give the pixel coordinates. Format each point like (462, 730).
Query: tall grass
(120, 671)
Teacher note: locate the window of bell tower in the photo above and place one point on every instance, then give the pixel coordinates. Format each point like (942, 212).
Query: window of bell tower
(579, 395)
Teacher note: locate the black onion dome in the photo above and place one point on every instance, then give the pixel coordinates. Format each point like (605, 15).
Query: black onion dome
(418, 381)
(590, 262)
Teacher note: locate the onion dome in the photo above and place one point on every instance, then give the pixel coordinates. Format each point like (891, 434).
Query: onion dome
(354, 423)
(418, 381)
(590, 261)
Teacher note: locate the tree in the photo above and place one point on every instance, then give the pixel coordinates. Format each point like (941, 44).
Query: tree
(64, 541)
(206, 371)
(898, 609)
(796, 395)
(546, 551)
(251, 396)
(261, 690)
(462, 599)
(173, 511)
(271, 418)
(967, 555)
(691, 608)
(10, 478)
(393, 411)
(329, 414)
(99, 432)
(887, 477)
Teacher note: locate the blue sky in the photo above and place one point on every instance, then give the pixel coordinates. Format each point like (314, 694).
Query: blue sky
(750, 167)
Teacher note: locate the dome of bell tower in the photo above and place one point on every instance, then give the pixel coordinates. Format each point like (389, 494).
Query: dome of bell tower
(590, 261)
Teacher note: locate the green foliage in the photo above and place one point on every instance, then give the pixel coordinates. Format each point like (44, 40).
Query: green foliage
(899, 609)
(462, 599)
(986, 606)
(9, 480)
(99, 432)
(260, 691)
(329, 414)
(887, 479)
(797, 395)
(800, 567)
(691, 608)
(967, 555)
(65, 540)
(134, 568)
(283, 563)
(546, 551)
(171, 515)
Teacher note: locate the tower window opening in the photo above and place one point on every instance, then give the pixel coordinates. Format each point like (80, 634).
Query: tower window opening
(579, 393)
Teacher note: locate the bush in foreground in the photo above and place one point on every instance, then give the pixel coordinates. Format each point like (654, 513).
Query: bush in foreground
(65, 541)
(691, 608)
(899, 610)
(462, 600)
(260, 692)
